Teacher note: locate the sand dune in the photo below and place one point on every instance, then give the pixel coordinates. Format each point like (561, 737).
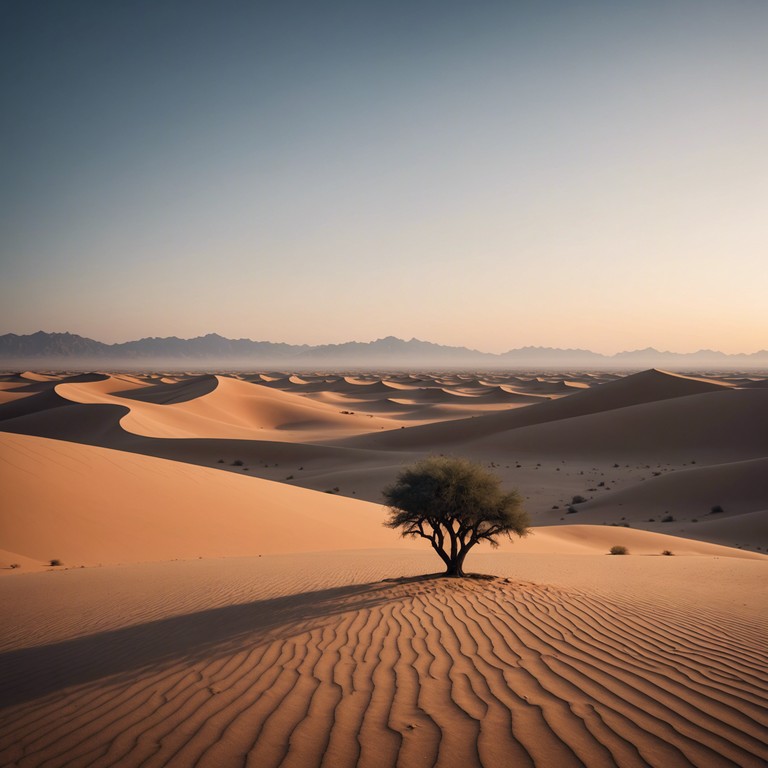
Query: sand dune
(169, 391)
(130, 508)
(647, 387)
(737, 487)
(195, 511)
(214, 406)
(385, 673)
(726, 425)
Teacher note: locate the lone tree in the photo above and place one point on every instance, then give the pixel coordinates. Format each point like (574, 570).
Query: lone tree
(454, 504)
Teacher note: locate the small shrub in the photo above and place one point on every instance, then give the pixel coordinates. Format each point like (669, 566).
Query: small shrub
(578, 499)
(555, 506)
(668, 519)
(668, 553)
(55, 562)
(238, 463)
(16, 565)
(716, 510)
(619, 549)
(571, 511)
(220, 461)
(290, 477)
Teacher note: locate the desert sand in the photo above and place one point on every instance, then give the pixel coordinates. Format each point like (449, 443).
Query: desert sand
(228, 595)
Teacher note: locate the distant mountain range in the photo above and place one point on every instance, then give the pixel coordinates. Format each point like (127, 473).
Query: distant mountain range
(70, 351)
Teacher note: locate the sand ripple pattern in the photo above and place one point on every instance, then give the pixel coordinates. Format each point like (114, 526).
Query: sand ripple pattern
(416, 672)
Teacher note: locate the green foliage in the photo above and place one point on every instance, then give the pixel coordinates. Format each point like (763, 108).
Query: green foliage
(454, 504)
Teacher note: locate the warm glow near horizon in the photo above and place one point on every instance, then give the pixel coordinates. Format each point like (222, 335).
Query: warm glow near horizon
(490, 175)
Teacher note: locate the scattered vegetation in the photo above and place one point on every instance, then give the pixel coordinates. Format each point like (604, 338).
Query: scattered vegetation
(578, 499)
(15, 565)
(619, 549)
(668, 519)
(716, 510)
(668, 553)
(54, 562)
(238, 463)
(571, 510)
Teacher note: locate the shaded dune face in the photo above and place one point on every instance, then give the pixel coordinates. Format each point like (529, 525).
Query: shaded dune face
(414, 672)
(647, 387)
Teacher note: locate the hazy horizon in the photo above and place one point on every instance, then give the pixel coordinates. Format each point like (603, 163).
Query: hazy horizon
(493, 175)
(405, 339)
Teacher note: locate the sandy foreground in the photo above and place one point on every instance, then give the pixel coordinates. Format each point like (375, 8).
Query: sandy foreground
(228, 595)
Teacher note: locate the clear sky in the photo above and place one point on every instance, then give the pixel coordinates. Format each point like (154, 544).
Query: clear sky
(489, 174)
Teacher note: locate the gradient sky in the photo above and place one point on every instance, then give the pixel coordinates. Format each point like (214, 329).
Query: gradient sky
(489, 174)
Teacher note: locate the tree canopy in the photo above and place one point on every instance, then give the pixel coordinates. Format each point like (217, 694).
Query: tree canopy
(454, 504)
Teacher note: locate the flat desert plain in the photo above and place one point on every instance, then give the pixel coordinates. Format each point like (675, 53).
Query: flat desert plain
(195, 572)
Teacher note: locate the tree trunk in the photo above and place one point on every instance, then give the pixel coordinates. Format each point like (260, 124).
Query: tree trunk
(456, 564)
(454, 569)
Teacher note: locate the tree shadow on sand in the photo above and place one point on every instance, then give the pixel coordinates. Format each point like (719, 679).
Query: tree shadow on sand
(31, 673)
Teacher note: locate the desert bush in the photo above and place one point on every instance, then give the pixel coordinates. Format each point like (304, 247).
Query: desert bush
(716, 510)
(238, 463)
(55, 562)
(619, 549)
(578, 499)
(667, 553)
(15, 565)
(571, 510)
(668, 519)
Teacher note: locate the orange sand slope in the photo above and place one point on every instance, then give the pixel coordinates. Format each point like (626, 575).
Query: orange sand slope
(85, 505)
(604, 662)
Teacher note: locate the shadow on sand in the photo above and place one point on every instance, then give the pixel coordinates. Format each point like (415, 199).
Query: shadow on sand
(31, 673)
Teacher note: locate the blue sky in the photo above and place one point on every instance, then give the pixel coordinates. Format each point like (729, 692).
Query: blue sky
(493, 174)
